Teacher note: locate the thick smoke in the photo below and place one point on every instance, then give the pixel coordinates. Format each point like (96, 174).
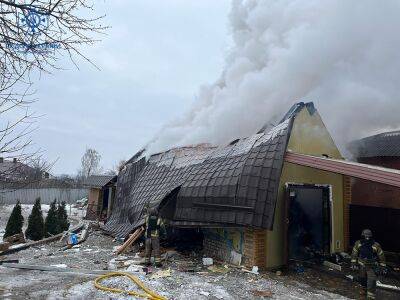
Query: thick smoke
(343, 55)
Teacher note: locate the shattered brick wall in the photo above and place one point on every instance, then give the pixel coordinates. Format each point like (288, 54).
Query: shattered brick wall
(231, 244)
(224, 244)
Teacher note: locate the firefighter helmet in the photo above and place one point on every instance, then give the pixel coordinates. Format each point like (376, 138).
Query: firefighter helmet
(366, 234)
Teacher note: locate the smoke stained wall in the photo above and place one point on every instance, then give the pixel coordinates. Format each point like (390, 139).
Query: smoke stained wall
(343, 55)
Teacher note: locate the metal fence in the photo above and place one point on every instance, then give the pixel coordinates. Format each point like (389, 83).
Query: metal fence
(47, 195)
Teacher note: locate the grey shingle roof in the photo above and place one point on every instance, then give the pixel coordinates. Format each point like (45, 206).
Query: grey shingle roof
(98, 180)
(236, 184)
(10, 170)
(384, 144)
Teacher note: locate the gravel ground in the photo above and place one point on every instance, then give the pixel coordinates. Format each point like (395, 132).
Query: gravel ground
(96, 253)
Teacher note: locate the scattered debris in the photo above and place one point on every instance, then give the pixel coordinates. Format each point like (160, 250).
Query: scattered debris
(137, 269)
(169, 254)
(81, 203)
(299, 268)
(207, 261)
(236, 258)
(278, 273)
(216, 269)
(204, 293)
(15, 239)
(254, 270)
(112, 265)
(332, 265)
(4, 246)
(266, 293)
(161, 274)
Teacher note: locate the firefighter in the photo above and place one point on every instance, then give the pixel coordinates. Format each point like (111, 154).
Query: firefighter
(154, 226)
(365, 257)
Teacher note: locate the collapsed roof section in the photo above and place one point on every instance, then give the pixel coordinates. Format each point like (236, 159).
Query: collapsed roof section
(232, 185)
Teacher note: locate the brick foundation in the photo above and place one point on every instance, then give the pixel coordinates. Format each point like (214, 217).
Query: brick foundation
(255, 248)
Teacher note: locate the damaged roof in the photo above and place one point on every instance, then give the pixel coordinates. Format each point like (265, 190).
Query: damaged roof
(232, 185)
(383, 144)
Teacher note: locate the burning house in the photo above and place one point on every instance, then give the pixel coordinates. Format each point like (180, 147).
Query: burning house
(277, 195)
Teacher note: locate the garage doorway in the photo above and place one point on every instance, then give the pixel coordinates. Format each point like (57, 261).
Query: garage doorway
(308, 221)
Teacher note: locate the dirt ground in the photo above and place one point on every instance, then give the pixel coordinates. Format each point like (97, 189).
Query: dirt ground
(188, 278)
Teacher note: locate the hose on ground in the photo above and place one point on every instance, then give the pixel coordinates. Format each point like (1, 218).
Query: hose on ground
(149, 294)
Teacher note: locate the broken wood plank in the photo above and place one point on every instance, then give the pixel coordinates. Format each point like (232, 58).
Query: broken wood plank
(332, 265)
(9, 261)
(387, 286)
(76, 228)
(131, 240)
(54, 269)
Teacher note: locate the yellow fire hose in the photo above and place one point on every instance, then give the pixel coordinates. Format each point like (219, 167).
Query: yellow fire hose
(149, 294)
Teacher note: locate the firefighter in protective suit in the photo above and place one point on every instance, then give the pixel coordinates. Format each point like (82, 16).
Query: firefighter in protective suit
(154, 226)
(365, 257)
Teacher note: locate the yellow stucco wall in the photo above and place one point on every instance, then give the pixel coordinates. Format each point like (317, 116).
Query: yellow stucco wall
(309, 136)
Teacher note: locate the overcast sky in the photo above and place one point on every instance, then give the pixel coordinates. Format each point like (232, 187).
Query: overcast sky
(152, 62)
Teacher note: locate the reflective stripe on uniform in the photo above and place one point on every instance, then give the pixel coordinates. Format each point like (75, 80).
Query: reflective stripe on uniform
(370, 295)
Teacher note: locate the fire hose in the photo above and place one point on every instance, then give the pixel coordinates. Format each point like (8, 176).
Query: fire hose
(149, 294)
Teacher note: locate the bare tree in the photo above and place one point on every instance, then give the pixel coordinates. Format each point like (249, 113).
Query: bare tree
(90, 163)
(43, 29)
(110, 172)
(33, 35)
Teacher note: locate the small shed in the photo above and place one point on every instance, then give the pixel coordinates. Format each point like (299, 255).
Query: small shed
(101, 196)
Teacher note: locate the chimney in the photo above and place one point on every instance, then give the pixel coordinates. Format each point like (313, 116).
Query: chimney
(14, 160)
(1, 159)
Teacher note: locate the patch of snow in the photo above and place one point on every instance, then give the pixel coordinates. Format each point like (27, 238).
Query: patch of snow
(59, 266)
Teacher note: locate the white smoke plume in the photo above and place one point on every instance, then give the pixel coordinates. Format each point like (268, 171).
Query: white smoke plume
(343, 55)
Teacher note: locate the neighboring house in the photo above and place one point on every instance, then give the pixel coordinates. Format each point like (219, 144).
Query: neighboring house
(278, 195)
(15, 171)
(377, 205)
(101, 196)
(20, 182)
